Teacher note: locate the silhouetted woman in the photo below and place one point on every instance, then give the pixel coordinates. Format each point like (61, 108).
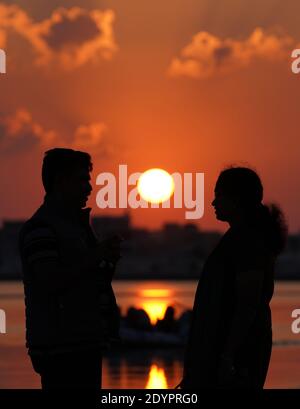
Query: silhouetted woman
(230, 338)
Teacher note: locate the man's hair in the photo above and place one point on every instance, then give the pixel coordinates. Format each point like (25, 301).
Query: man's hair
(61, 161)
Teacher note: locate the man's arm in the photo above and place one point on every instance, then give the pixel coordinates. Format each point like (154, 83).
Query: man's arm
(40, 250)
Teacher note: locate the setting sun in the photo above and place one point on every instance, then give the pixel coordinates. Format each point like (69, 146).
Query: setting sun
(155, 185)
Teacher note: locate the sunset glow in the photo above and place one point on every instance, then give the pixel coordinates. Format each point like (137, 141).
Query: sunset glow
(200, 100)
(129, 131)
(155, 185)
(155, 292)
(155, 302)
(155, 309)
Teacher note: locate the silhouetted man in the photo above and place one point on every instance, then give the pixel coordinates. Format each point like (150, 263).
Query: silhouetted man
(71, 312)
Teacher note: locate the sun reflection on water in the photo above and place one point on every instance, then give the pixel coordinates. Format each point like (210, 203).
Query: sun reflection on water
(157, 378)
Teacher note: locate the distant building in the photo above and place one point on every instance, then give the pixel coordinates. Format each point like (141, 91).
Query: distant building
(288, 263)
(10, 264)
(106, 226)
(174, 252)
(293, 244)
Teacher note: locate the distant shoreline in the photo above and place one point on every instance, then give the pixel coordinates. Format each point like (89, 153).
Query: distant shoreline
(154, 278)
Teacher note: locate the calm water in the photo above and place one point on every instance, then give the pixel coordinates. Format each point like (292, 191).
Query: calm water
(144, 368)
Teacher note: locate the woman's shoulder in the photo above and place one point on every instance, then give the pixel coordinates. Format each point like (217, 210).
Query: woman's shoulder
(249, 245)
(248, 235)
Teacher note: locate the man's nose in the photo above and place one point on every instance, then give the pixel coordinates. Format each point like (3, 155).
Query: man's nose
(213, 202)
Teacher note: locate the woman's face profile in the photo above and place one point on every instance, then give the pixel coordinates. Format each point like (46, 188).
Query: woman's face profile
(224, 205)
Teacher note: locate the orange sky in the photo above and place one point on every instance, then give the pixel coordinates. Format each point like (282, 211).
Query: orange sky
(135, 83)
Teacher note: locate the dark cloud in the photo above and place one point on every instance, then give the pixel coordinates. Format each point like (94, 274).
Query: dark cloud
(69, 37)
(20, 132)
(221, 54)
(73, 32)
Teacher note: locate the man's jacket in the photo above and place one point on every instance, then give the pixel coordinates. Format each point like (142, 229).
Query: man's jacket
(76, 309)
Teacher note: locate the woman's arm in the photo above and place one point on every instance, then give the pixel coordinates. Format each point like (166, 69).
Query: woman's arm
(248, 289)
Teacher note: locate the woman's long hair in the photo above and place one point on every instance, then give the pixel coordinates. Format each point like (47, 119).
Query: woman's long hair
(245, 185)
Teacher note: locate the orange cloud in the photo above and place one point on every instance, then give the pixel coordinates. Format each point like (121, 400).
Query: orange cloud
(92, 138)
(69, 37)
(21, 132)
(208, 55)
